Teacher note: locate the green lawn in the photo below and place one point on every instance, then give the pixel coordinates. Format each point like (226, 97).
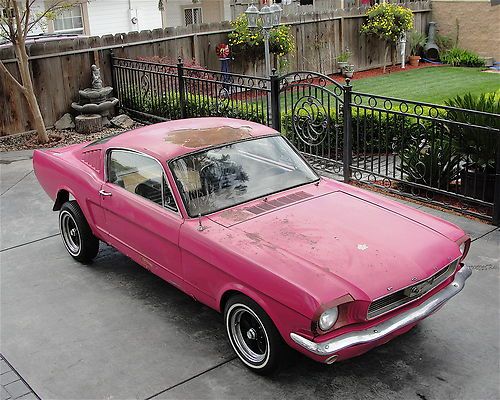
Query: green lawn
(430, 85)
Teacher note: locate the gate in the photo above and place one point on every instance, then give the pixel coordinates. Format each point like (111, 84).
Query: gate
(310, 110)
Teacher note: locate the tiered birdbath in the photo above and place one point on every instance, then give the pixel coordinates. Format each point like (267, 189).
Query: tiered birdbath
(95, 105)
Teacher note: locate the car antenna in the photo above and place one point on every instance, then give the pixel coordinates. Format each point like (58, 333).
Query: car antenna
(200, 226)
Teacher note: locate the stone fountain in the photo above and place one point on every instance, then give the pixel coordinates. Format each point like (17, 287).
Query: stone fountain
(95, 105)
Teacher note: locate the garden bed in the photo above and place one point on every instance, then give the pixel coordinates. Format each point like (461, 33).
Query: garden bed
(57, 138)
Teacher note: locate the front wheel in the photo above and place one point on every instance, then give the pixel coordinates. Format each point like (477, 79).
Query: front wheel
(76, 234)
(253, 335)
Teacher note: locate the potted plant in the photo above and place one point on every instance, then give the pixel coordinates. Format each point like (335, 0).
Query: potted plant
(348, 70)
(416, 41)
(343, 59)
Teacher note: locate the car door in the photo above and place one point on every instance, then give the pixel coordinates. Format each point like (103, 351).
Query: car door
(141, 216)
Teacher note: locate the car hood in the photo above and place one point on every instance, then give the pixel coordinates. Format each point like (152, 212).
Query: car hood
(371, 248)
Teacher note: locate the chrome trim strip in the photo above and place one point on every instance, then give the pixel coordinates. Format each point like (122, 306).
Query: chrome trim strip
(391, 325)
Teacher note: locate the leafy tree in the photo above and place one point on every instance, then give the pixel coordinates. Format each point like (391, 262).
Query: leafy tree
(388, 22)
(16, 22)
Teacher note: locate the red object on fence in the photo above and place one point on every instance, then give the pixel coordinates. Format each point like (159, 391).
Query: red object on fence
(222, 50)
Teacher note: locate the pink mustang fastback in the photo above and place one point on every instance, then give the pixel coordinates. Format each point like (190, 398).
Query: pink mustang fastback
(229, 212)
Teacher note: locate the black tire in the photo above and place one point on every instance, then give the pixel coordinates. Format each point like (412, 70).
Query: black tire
(76, 234)
(253, 335)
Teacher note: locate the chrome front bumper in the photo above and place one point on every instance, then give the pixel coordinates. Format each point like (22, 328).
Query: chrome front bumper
(391, 325)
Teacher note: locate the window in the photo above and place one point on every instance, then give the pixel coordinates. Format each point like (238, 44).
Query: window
(193, 16)
(232, 174)
(7, 13)
(141, 175)
(69, 20)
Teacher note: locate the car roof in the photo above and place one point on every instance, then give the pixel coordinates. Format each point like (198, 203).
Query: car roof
(168, 140)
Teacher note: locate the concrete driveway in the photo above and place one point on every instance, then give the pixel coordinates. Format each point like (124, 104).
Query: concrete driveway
(112, 330)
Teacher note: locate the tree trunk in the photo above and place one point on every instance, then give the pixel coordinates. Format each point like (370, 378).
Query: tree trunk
(29, 94)
(385, 56)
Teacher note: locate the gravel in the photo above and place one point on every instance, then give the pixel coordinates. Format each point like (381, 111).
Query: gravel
(57, 138)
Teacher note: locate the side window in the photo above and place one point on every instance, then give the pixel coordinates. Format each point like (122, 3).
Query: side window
(140, 175)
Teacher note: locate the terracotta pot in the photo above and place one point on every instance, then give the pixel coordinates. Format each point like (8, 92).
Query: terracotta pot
(414, 61)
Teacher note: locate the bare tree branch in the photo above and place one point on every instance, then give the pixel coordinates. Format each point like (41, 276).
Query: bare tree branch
(17, 17)
(26, 18)
(6, 72)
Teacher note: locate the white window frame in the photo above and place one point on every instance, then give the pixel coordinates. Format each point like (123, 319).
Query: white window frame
(72, 30)
(200, 13)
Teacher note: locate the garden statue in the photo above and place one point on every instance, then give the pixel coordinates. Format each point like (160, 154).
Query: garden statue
(96, 77)
(96, 103)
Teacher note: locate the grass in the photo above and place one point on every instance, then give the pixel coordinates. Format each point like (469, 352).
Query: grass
(430, 85)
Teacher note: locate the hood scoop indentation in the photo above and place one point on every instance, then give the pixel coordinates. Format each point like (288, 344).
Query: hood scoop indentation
(279, 202)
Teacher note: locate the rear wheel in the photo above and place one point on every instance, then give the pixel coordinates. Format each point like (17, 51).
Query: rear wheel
(253, 335)
(76, 234)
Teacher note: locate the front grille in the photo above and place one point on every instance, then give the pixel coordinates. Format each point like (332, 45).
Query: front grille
(411, 293)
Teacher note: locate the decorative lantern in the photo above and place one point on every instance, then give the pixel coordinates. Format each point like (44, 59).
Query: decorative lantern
(252, 13)
(267, 17)
(276, 13)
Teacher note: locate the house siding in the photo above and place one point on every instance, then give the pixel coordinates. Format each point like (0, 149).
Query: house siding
(109, 17)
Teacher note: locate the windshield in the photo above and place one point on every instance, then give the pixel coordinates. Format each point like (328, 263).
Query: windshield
(225, 176)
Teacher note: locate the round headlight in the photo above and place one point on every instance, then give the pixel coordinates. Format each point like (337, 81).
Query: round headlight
(328, 318)
(462, 247)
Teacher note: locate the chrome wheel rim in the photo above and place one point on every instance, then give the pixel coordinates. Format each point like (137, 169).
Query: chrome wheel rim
(70, 233)
(248, 335)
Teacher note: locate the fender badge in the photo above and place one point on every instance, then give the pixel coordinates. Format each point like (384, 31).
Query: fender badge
(414, 279)
(362, 247)
(389, 288)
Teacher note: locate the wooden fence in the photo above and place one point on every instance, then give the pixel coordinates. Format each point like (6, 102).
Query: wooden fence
(60, 69)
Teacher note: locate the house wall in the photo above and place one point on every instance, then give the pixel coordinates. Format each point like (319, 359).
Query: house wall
(107, 17)
(478, 23)
(212, 10)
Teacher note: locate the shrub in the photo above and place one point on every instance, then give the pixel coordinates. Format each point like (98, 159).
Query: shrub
(168, 106)
(477, 145)
(444, 42)
(388, 22)
(458, 57)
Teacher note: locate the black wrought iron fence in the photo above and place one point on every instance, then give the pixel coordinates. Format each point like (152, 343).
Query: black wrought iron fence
(442, 155)
(151, 92)
(438, 154)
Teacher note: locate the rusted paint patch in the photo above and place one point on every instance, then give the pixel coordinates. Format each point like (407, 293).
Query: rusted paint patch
(204, 137)
(236, 215)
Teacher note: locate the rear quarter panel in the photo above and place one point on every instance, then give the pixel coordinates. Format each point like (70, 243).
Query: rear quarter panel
(62, 169)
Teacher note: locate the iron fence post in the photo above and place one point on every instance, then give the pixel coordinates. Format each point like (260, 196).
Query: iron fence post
(347, 117)
(111, 65)
(275, 101)
(496, 198)
(180, 77)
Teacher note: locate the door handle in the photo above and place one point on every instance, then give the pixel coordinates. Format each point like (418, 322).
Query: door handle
(104, 193)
